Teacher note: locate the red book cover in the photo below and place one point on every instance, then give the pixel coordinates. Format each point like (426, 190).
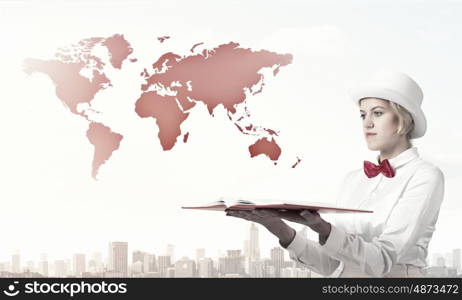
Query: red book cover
(243, 204)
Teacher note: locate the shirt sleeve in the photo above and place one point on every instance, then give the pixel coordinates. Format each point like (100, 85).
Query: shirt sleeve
(417, 207)
(311, 254)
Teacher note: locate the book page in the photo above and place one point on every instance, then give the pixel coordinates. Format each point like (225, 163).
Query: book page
(269, 201)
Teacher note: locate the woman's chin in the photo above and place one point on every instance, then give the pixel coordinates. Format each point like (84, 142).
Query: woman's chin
(372, 147)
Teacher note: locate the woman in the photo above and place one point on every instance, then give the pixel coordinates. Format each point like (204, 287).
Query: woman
(404, 191)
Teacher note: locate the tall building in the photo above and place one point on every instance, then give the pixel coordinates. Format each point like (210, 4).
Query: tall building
(30, 266)
(171, 252)
(151, 263)
(448, 259)
(95, 264)
(170, 272)
(164, 265)
(251, 249)
(79, 264)
(137, 268)
(205, 268)
(185, 267)
(456, 257)
(43, 265)
(277, 260)
(254, 243)
(268, 268)
(288, 272)
(234, 263)
(138, 258)
(5, 266)
(246, 257)
(118, 258)
(221, 265)
(256, 269)
(16, 262)
(60, 268)
(200, 253)
(69, 267)
(246, 248)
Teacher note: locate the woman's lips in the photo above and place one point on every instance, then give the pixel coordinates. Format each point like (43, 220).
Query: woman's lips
(370, 134)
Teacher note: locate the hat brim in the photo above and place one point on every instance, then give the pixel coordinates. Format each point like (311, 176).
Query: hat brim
(420, 122)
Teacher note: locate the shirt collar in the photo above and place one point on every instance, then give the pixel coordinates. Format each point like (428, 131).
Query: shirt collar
(403, 158)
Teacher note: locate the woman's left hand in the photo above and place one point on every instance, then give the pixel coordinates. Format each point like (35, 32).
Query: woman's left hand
(309, 218)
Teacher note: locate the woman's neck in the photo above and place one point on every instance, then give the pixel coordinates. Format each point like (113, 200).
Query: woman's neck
(395, 151)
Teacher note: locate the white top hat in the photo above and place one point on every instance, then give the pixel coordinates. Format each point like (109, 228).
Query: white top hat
(399, 88)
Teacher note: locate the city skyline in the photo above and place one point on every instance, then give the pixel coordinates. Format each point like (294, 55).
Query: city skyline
(245, 262)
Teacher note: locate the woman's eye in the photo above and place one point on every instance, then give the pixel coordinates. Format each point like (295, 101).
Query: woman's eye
(378, 113)
(362, 116)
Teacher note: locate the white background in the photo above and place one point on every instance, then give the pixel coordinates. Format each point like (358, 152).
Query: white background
(51, 204)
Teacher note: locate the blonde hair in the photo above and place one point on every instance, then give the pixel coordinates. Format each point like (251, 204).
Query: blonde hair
(405, 120)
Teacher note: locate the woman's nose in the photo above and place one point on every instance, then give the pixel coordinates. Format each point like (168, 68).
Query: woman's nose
(368, 123)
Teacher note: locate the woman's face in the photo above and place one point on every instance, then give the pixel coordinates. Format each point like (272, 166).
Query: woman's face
(380, 124)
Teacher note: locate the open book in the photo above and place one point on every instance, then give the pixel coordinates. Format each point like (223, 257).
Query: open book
(249, 204)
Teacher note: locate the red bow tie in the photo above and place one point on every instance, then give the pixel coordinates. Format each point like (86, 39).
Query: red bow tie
(373, 170)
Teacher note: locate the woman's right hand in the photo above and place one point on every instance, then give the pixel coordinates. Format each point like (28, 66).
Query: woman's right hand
(265, 217)
(270, 219)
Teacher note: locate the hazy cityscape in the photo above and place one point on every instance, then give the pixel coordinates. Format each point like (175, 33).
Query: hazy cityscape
(246, 262)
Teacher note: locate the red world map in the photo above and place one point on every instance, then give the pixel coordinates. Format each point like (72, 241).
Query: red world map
(224, 75)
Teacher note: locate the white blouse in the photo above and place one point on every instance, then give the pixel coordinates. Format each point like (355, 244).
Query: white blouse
(406, 208)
